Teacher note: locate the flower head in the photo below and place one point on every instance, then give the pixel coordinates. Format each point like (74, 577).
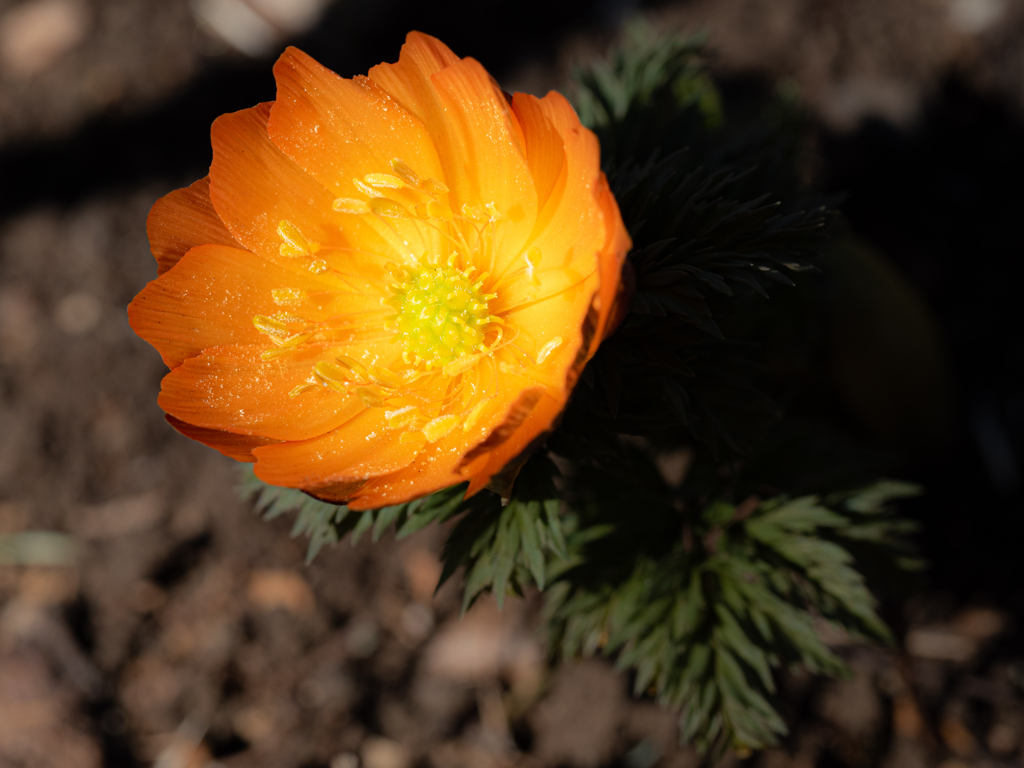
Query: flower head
(387, 285)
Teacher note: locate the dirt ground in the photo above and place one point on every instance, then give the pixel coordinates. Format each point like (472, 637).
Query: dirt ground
(148, 617)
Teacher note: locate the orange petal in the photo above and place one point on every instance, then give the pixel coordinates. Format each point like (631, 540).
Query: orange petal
(230, 444)
(518, 414)
(560, 315)
(486, 151)
(254, 186)
(478, 138)
(545, 150)
(515, 417)
(408, 80)
(235, 390)
(340, 130)
(182, 220)
(337, 129)
(580, 220)
(432, 469)
(359, 449)
(534, 425)
(549, 281)
(209, 299)
(572, 203)
(570, 228)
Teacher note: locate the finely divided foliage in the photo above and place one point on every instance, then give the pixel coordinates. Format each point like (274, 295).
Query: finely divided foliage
(706, 623)
(707, 582)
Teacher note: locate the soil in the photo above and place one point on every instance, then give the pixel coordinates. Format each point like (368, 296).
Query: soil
(149, 617)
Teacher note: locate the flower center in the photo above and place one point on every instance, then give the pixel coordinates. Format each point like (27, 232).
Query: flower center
(442, 314)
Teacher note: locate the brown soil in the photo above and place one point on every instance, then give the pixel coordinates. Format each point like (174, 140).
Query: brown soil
(163, 623)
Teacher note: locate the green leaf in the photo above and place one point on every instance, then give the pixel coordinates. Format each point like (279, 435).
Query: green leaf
(501, 547)
(798, 516)
(733, 635)
(707, 630)
(437, 507)
(480, 575)
(554, 527)
(385, 517)
(872, 500)
(365, 521)
(505, 549)
(530, 543)
(688, 608)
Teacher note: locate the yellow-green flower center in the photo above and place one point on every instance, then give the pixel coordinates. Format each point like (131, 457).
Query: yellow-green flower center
(442, 314)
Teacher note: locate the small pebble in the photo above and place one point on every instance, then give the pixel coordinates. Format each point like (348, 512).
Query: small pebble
(78, 313)
(345, 760)
(33, 35)
(271, 588)
(384, 753)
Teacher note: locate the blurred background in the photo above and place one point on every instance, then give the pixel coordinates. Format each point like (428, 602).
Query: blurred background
(148, 617)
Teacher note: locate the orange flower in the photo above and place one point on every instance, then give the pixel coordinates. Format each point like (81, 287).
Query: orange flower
(387, 285)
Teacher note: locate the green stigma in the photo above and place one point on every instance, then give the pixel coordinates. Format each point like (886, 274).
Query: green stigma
(442, 314)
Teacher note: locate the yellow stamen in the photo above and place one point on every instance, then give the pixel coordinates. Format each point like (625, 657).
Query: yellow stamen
(497, 338)
(366, 189)
(295, 244)
(403, 417)
(325, 370)
(407, 174)
(439, 427)
(435, 187)
(292, 341)
(384, 180)
(385, 206)
(350, 205)
(548, 348)
(441, 317)
(354, 366)
(385, 377)
(275, 329)
(460, 366)
(371, 397)
(304, 387)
